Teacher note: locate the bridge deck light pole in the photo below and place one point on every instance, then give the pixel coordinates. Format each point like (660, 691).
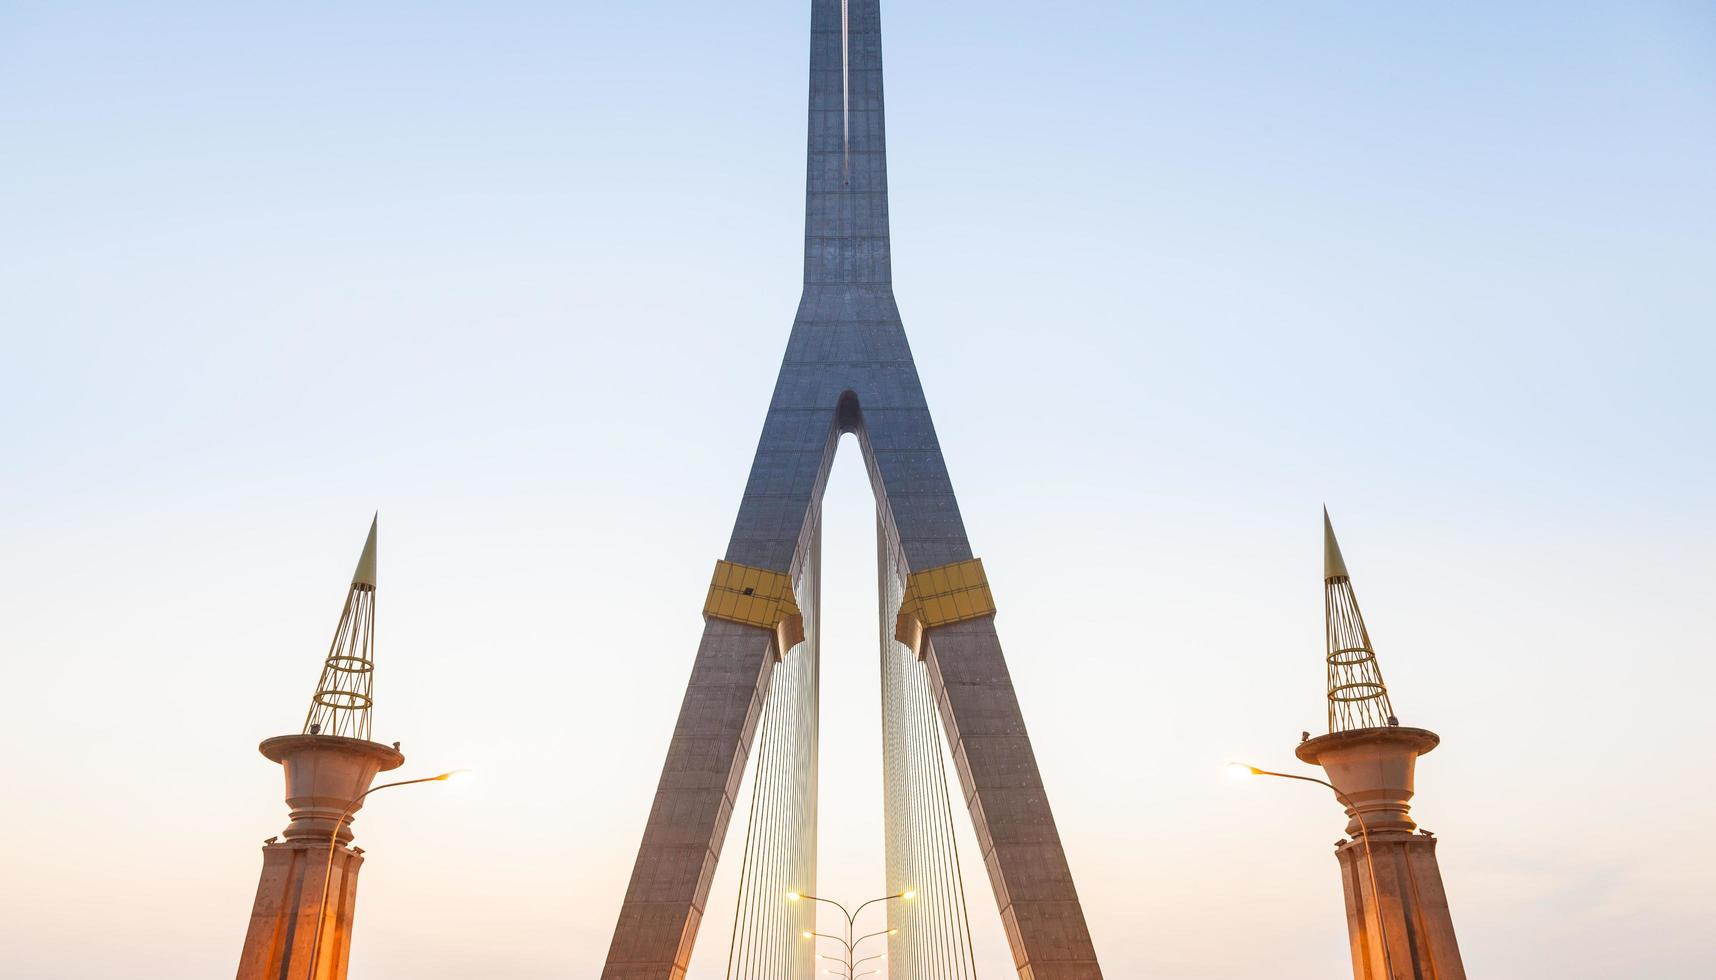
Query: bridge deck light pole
(850, 944)
(860, 962)
(851, 947)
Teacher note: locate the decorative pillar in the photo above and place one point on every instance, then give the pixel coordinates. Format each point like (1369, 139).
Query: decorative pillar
(328, 769)
(1398, 921)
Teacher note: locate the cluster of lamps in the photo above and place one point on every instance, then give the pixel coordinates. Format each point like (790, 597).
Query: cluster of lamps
(848, 943)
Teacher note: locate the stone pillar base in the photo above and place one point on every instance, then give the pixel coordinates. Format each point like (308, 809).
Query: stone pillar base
(1413, 910)
(283, 917)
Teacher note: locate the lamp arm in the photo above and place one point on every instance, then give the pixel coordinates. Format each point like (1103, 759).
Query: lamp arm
(1303, 779)
(1369, 859)
(824, 935)
(872, 935)
(333, 845)
(826, 901)
(873, 901)
(403, 782)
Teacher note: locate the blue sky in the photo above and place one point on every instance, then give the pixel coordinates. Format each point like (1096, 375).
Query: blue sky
(519, 275)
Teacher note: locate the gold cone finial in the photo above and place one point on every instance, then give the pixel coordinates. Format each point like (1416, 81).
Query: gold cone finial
(1357, 696)
(365, 573)
(1334, 566)
(345, 694)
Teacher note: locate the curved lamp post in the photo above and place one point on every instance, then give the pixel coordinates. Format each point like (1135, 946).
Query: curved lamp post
(848, 942)
(858, 963)
(1242, 769)
(334, 842)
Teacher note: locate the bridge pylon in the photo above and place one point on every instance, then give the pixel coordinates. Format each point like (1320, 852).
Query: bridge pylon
(849, 369)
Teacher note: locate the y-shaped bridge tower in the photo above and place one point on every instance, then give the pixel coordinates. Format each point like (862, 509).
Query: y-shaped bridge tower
(848, 368)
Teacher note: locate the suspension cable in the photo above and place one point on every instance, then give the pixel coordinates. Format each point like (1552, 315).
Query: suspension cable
(780, 829)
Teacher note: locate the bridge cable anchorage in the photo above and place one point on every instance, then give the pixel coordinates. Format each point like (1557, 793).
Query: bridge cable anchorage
(946, 594)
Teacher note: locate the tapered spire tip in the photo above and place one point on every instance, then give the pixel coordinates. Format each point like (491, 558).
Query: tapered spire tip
(365, 573)
(1334, 566)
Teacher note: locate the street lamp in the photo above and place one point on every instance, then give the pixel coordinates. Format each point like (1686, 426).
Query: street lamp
(858, 963)
(855, 963)
(851, 921)
(1240, 769)
(333, 845)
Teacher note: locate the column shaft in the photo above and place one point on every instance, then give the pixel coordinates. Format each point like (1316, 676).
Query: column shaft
(283, 916)
(1415, 919)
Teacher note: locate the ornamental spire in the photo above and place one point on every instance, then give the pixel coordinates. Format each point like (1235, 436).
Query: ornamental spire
(342, 702)
(1357, 696)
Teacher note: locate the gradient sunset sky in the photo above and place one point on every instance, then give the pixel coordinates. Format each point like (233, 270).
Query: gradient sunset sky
(519, 276)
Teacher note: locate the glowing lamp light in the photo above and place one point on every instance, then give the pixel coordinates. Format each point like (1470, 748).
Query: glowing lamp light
(1240, 770)
(793, 896)
(909, 894)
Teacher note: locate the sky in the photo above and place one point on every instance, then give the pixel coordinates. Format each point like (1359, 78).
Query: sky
(518, 276)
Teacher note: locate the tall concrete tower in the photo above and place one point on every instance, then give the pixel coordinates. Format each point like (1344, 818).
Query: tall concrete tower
(849, 369)
(328, 768)
(1397, 912)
